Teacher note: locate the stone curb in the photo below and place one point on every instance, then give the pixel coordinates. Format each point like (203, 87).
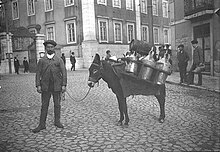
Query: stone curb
(194, 86)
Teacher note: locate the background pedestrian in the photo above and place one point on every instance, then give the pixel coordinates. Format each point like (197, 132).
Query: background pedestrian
(197, 61)
(16, 65)
(108, 55)
(63, 58)
(183, 58)
(51, 79)
(73, 61)
(26, 65)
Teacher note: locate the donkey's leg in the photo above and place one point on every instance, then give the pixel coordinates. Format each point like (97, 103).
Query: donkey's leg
(120, 106)
(125, 111)
(161, 100)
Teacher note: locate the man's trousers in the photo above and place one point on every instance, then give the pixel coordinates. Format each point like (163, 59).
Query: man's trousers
(45, 99)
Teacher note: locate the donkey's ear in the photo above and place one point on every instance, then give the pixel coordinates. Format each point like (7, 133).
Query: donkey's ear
(96, 59)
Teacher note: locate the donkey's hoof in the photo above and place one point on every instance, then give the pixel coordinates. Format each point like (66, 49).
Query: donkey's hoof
(161, 120)
(119, 123)
(125, 125)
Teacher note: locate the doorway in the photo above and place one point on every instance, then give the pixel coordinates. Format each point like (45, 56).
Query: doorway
(202, 34)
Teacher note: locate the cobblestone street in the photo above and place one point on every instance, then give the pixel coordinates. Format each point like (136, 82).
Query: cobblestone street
(192, 119)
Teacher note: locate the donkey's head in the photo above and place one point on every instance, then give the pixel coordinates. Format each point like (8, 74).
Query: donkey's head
(95, 71)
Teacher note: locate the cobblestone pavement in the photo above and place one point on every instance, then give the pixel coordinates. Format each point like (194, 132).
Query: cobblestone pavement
(192, 119)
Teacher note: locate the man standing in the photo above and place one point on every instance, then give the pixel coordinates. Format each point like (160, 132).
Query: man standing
(73, 61)
(108, 54)
(51, 79)
(197, 60)
(183, 58)
(16, 65)
(26, 65)
(63, 58)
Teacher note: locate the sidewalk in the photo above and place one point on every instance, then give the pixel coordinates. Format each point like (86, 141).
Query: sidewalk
(210, 83)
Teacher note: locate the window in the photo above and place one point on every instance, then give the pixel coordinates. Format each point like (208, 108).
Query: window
(129, 4)
(117, 32)
(116, 3)
(69, 2)
(165, 36)
(103, 30)
(2, 11)
(71, 31)
(130, 27)
(155, 7)
(145, 33)
(48, 5)
(104, 2)
(165, 8)
(50, 32)
(30, 7)
(156, 35)
(15, 12)
(144, 6)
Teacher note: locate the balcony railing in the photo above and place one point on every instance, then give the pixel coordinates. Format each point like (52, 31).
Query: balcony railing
(194, 6)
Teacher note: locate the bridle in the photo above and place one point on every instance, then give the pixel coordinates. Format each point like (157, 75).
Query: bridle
(99, 71)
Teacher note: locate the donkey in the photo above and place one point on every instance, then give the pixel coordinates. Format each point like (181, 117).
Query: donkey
(103, 69)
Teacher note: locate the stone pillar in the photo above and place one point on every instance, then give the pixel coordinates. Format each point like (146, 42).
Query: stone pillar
(7, 65)
(39, 45)
(138, 19)
(89, 44)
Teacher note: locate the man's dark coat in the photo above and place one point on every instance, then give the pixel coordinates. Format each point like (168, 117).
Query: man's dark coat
(47, 66)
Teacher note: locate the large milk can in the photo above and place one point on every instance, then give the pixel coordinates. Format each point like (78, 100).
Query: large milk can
(162, 75)
(146, 69)
(131, 65)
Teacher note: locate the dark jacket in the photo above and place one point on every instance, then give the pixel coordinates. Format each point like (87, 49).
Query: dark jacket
(197, 55)
(16, 63)
(44, 68)
(72, 59)
(64, 59)
(182, 57)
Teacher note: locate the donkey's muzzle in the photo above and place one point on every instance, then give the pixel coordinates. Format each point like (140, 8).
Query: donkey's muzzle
(91, 84)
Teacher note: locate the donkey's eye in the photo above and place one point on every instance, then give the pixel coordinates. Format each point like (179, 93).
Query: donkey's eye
(95, 71)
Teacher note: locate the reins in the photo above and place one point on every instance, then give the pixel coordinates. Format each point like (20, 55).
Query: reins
(80, 99)
(97, 81)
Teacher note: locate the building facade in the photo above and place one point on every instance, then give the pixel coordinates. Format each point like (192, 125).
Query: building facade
(198, 19)
(87, 27)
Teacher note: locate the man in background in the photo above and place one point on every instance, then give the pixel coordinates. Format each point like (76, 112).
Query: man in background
(73, 61)
(197, 61)
(183, 58)
(26, 65)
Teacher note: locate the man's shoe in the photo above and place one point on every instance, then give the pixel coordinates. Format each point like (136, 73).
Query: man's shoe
(38, 129)
(59, 125)
(199, 84)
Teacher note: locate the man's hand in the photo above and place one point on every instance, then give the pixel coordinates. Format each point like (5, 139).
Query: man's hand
(63, 89)
(39, 89)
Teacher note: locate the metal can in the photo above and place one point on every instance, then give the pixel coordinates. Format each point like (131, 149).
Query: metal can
(146, 71)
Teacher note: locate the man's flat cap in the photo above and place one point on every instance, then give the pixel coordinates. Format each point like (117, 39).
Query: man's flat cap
(181, 45)
(50, 42)
(194, 42)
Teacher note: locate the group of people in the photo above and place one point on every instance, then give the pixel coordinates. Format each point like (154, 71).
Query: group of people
(72, 60)
(197, 60)
(17, 65)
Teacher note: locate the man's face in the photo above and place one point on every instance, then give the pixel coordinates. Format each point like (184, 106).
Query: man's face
(50, 49)
(194, 45)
